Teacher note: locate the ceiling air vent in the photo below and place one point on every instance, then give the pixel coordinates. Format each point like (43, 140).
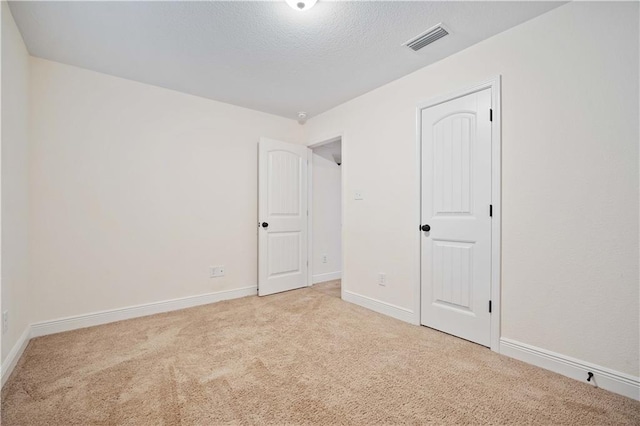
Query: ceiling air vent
(427, 37)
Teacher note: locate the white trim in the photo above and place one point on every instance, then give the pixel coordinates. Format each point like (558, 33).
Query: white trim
(310, 219)
(436, 100)
(329, 276)
(605, 378)
(13, 357)
(379, 306)
(343, 206)
(104, 317)
(496, 201)
(417, 292)
(494, 84)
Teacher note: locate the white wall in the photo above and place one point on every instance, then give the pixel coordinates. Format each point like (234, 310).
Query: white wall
(569, 179)
(326, 216)
(15, 205)
(136, 190)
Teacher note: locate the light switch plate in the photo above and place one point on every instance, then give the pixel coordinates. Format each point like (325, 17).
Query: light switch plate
(382, 279)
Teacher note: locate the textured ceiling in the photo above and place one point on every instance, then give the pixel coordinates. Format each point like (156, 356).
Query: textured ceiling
(260, 55)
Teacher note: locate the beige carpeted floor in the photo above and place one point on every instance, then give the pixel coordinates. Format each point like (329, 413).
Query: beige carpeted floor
(299, 357)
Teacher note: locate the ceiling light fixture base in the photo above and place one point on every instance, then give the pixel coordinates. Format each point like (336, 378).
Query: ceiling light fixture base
(301, 5)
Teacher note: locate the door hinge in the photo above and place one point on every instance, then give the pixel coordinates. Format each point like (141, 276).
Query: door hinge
(490, 210)
(490, 114)
(489, 306)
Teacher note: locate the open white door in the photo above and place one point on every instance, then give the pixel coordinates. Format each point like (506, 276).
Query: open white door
(456, 217)
(282, 215)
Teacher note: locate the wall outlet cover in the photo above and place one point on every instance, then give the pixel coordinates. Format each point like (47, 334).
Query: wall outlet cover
(216, 271)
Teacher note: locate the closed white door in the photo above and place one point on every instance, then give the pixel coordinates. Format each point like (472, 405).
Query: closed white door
(282, 215)
(456, 222)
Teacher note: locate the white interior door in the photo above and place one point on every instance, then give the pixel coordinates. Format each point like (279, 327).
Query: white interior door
(282, 215)
(456, 199)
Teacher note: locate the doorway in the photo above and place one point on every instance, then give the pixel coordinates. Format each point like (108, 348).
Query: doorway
(325, 213)
(300, 213)
(459, 139)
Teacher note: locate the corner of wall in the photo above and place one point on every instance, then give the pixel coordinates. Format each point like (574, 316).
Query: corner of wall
(14, 129)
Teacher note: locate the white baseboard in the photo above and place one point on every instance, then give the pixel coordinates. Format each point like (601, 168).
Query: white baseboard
(605, 378)
(329, 276)
(385, 308)
(96, 318)
(14, 356)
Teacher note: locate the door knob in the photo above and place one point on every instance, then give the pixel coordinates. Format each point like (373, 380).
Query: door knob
(425, 228)
(265, 225)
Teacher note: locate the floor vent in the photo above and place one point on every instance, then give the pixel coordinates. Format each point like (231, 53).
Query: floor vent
(427, 37)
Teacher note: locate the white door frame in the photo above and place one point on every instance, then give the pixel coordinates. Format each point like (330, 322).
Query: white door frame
(319, 142)
(496, 178)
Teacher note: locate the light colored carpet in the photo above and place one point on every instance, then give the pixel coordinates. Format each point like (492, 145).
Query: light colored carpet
(300, 357)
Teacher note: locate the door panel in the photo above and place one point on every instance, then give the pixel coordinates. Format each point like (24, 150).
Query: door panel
(284, 183)
(452, 165)
(456, 194)
(453, 271)
(282, 206)
(284, 253)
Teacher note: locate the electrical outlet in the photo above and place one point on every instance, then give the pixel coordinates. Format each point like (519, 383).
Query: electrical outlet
(216, 271)
(5, 321)
(382, 279)
(324, 258)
